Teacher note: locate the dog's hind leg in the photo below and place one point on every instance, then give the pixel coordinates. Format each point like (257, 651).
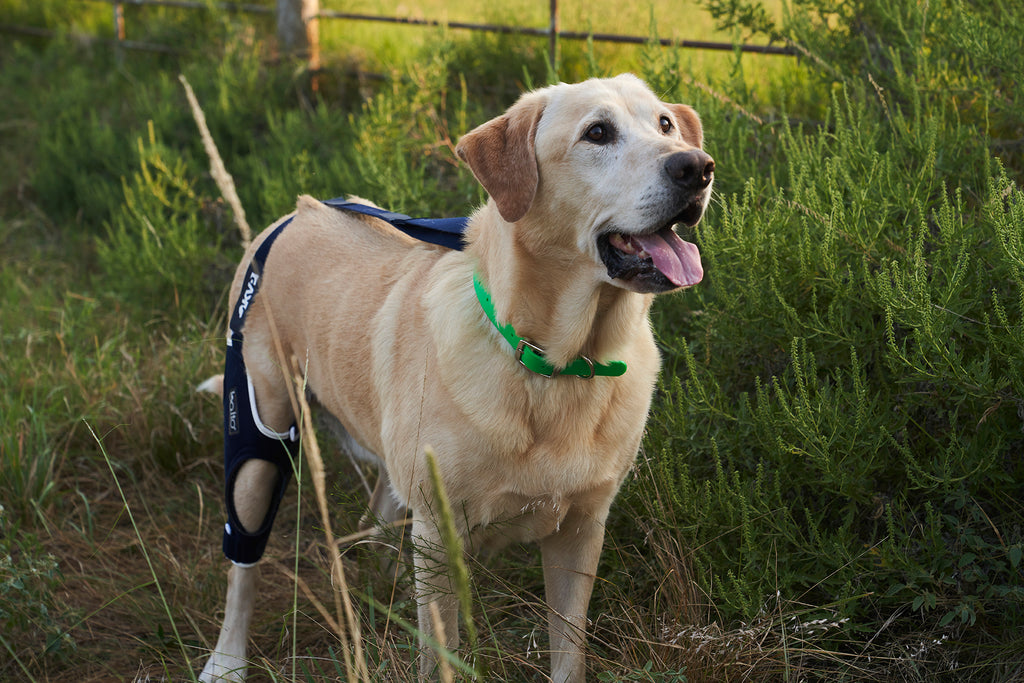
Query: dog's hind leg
(228, 663)
(384, 508)
(257, 468)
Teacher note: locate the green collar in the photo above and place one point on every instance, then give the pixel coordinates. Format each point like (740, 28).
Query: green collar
(531, 356)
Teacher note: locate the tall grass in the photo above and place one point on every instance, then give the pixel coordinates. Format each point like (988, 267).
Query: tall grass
(829, 487)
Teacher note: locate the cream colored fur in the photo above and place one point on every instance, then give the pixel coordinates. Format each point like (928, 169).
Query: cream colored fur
(396, 346)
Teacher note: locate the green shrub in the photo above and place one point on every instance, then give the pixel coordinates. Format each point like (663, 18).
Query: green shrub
(81, 154)
(161, 239)
(30, 627)
(840, 423)
(942, 56)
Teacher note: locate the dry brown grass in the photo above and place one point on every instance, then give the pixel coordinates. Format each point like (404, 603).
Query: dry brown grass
(110, 602)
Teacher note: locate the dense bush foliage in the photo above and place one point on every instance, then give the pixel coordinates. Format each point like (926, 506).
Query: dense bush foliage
(843, 428)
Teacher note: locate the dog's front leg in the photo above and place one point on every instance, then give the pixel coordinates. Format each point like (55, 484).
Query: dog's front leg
(436, 603)
(570, 558)
(227, 663)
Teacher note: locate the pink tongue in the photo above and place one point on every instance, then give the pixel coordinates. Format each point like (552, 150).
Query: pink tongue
(677, 259)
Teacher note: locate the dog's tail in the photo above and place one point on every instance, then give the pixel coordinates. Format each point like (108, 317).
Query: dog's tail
(214, 385)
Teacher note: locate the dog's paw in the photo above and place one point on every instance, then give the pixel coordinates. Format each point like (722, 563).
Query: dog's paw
(222, 668)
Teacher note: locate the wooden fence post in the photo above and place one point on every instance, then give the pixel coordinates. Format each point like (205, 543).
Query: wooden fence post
(119, 33)
(553, 29)
(298, 29)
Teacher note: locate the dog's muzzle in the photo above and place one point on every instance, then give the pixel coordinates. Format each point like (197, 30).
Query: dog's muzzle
(658, 260)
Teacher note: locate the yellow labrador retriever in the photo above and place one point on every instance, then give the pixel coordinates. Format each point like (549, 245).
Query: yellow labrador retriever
(412, 345)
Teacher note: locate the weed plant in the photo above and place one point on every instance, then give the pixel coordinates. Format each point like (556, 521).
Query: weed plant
(830, 486)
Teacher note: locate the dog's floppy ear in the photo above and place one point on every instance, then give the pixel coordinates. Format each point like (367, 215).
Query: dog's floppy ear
(502, 157)
(689, 124)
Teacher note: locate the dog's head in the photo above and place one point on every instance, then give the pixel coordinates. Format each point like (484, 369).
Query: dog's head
(608, 170)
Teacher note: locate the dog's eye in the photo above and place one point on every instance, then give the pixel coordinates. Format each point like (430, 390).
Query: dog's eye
(599, 133)
(666, 124)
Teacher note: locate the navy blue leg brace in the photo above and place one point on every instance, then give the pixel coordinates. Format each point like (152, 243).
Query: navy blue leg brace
(245, 436)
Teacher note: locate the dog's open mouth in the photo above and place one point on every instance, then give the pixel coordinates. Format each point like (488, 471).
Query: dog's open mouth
(651, 262)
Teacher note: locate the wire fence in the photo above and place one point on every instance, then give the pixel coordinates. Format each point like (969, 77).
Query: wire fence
(553, 31)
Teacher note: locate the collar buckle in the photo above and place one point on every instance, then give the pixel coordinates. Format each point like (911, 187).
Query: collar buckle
(531, 356)
(522, 347)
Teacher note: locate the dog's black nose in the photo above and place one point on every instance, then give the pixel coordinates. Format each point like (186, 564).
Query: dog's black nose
(691, 170)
